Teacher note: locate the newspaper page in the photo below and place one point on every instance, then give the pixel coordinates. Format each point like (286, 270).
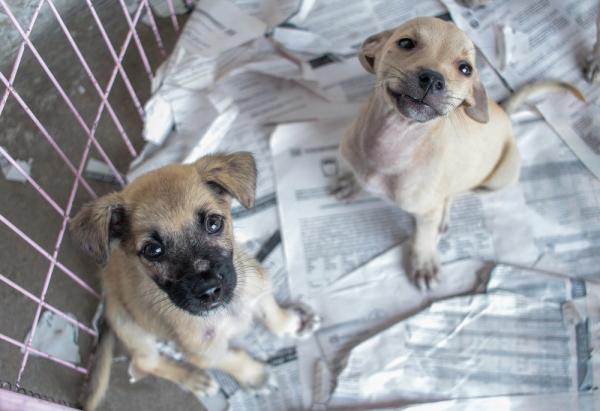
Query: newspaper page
(582, 401)
(562, 197)
(346, 25)
(511, 340)
(558, 35)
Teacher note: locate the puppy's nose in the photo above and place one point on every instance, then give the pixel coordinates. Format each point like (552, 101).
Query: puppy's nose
(208, 292)
(432, 80)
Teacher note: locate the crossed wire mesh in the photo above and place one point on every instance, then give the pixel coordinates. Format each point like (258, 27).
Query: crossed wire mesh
(76, 168)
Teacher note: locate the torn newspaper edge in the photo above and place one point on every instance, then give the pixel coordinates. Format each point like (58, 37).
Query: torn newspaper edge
(99, 171)
(12, 173)
(56, 336)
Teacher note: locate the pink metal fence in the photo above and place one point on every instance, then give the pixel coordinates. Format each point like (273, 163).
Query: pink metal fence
(76, 167)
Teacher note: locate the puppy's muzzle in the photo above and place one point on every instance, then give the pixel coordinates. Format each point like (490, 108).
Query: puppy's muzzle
(420, 96)
(201, 291)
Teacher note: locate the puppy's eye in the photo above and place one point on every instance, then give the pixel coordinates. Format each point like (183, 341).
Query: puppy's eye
(153, 251)
(406, 44)
(213, 224)
(465, 68)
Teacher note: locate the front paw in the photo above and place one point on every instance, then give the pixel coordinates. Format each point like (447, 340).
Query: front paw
(200, 383)
(253, 376)
(302, 322)
(424, 269)
(345, 187)
(592, 69)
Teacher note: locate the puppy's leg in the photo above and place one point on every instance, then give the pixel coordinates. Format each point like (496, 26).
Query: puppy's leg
(424, 265)
(297, 321)
(248, 372)
(146, 358)
(194, 379)
(345, 187)
(592, 70)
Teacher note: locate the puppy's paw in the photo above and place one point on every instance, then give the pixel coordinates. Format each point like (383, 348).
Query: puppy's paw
(345, 187)
(302, 322)
(252, 375)
(200, 383)
(592, 69)
(267, 388)
(424, 270)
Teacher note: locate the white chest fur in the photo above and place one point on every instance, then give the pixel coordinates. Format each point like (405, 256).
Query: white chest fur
(389, 153)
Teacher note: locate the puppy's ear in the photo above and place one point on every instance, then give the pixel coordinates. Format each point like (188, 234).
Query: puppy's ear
(98, 224)
(234, 173)
(369, 51)
(477, 103)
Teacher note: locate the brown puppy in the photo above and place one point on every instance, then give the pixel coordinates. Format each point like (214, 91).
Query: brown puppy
(428, 130)
(174, 273)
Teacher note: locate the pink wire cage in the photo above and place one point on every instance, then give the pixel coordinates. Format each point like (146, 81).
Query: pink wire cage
(75, 166)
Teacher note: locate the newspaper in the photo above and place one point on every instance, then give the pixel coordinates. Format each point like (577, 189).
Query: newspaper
(544, 402)
(561, 196)
(346, 24)
(557, 33)
(514, 339)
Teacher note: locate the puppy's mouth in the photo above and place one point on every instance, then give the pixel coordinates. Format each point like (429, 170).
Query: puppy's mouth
(411, 107)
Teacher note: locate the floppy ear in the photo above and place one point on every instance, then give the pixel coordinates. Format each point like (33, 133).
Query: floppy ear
(477, 103)
(98, 224)
(369, 50)
(234, 173)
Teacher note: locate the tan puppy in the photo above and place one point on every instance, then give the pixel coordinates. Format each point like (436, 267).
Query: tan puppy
(174, 273)
(428, 130)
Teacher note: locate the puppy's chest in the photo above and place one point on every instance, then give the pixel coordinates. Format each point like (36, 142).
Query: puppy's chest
(394, 161)
(387, 144)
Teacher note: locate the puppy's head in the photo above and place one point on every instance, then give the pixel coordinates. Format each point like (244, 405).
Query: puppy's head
(174, 225)
(425, 69)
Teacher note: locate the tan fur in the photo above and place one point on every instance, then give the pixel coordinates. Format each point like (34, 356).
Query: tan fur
(468, 143)
(140, 313)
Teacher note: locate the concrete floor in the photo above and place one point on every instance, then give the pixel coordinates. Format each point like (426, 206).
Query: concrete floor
(24, 207)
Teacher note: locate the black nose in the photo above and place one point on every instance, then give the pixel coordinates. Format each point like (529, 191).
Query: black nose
(208, 293)
(432, 80)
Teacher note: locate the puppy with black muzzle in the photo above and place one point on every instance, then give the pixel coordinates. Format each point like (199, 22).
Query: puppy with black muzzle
(428, 130)
(173, 272)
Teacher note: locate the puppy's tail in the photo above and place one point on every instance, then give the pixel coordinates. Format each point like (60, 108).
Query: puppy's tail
(537, 88)
(98, 380)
